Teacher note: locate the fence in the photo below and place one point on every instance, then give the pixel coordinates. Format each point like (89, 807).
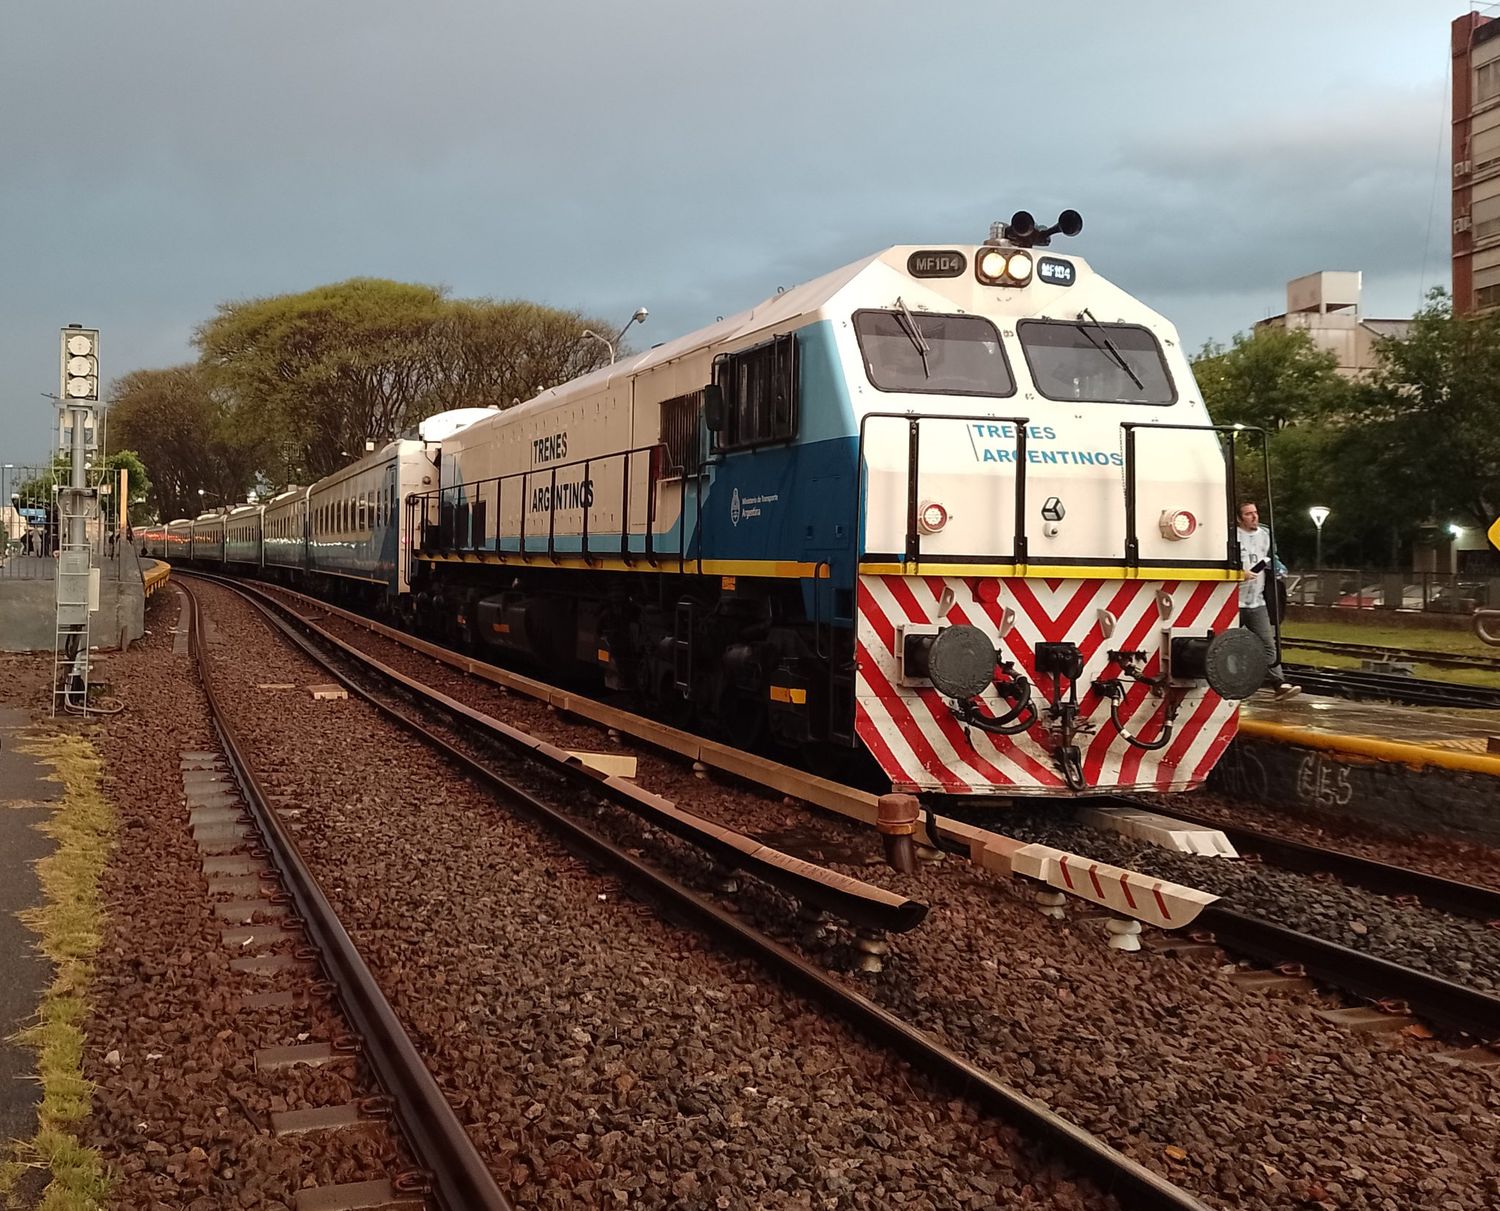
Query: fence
(1367, 589)
(30, 518)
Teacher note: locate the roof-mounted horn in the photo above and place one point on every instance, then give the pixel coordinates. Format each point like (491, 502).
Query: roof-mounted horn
(1022, 231)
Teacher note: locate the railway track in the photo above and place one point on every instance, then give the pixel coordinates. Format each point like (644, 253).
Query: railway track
(454, 1176)
(1448, 895)
(1413, 691)
(1372, 651)
(1363, 976)
(1392, 986)
(415, 706)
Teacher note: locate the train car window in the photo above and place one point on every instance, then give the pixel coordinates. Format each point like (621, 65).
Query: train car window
(1089, 362)
(682, 435)
(760, 394)
(945, 355)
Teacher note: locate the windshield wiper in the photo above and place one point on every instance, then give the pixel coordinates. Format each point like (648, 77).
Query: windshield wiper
(1108, 347)
(917, 339)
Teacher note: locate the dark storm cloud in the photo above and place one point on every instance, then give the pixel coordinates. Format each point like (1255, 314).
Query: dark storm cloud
(160, 159)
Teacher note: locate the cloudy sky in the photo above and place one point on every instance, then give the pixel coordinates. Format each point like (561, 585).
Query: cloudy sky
(691, 156)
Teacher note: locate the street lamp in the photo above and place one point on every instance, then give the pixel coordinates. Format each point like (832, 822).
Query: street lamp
(1319, 514)
(638, 318)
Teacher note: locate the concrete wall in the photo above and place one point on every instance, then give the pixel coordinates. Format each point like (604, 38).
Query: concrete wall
(28, 609)
(1394, 799)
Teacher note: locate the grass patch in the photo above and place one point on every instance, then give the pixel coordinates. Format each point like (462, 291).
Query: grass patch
(1431, 639)
(67, 924)
(1487, 678)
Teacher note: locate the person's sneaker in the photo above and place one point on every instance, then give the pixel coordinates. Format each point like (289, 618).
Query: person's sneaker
(1286, 690)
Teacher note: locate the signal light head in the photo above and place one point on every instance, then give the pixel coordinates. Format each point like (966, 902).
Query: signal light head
(80, 365)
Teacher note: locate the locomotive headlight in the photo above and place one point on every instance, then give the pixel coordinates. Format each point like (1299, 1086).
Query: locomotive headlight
(990, 265)
(931, 517)
(1019, 266)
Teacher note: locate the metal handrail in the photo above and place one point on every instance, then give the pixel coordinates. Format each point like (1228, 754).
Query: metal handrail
(1231, 486)
(913, 546)
(420, 504)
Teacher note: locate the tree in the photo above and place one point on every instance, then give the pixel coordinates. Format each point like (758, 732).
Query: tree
(1277, 380)
(1270, 379)
(312, 377)
(1429, 420)
(499, 352)
(137, 485)
(185, 438)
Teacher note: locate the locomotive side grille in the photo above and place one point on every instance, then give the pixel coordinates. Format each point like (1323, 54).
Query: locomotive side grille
(681, 434)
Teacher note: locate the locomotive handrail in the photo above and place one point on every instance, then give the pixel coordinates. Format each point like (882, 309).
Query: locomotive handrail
(448, 526)
(913, 547)
(912, 552)
(1231, 487)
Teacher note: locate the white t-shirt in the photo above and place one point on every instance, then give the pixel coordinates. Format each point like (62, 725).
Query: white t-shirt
(1255, 547)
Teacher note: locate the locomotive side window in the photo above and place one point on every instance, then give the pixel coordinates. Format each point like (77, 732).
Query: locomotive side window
(680, 435)
(933, 354)
(1098, 363)
(760, 394)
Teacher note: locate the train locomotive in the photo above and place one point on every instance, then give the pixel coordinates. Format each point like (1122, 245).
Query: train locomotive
(958, 509)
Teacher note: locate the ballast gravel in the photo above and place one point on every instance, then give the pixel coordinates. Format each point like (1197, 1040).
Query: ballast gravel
(1462, 859)
(180, 1114)
(598, 1057)
(1457, 948)
(1246, 1099)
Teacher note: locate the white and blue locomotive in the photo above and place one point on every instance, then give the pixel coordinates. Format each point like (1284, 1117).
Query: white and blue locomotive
(960, 507)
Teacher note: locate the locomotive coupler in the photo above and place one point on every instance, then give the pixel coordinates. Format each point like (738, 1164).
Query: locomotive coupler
(1063, 662)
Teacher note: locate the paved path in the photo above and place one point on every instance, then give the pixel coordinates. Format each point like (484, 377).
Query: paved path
(23, 973)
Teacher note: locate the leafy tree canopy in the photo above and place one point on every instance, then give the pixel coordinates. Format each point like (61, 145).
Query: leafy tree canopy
(184, 434)
(1429, 419)
(1270, 379)
(1397, 456)
(312, 377)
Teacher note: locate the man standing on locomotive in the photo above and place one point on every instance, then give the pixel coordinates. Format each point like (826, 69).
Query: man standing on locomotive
(1255, 555)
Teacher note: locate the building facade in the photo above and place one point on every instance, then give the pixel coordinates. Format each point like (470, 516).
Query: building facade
(1326, 305)
(1476, 163)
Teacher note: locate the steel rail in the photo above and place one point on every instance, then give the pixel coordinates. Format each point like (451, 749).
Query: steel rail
(861, 904)
(1114, 1172)
(1449, 895)
(1442, 1001)
(1337, 647)
(461, 1180)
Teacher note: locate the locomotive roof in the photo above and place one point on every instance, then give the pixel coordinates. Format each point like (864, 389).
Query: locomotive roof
(779, 308)
(795, 303)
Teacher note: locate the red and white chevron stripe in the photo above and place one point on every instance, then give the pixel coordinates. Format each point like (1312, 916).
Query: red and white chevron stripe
(921, 746)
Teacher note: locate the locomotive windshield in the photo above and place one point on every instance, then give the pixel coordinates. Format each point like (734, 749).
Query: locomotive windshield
(936, 354)
(1094, 362)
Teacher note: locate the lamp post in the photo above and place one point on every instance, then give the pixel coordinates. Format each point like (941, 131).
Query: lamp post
(1319, 514)
(638, 318)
